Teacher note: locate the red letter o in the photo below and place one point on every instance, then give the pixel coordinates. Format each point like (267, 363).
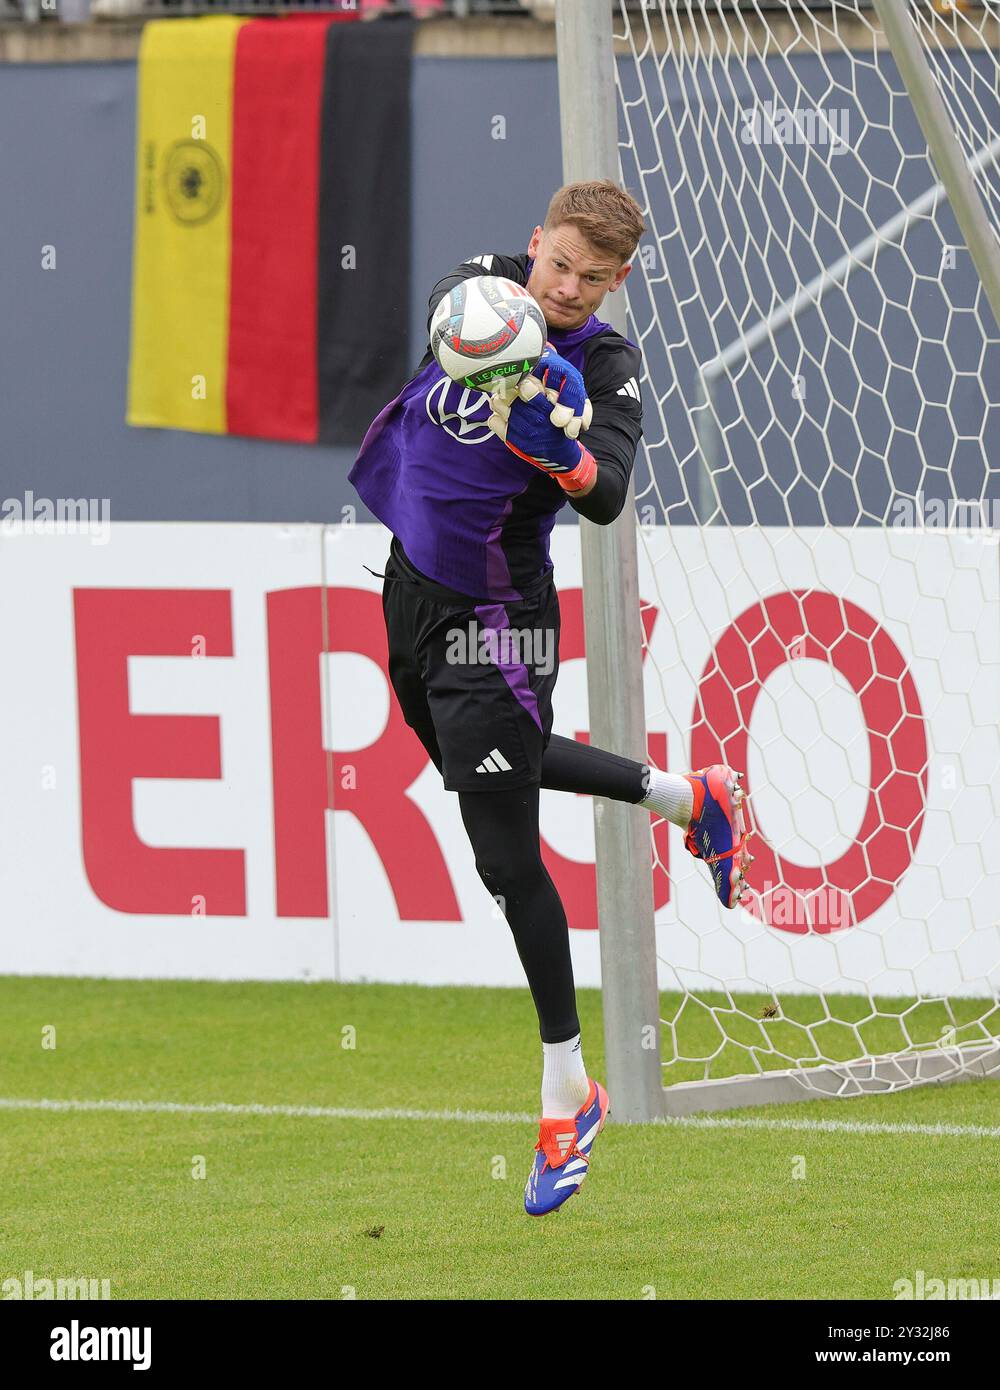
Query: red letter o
(804, 623)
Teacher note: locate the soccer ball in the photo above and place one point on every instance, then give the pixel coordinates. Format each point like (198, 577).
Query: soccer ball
(487, 331)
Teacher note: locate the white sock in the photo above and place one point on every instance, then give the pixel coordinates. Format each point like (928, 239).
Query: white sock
(670, 796)
(565, 1085)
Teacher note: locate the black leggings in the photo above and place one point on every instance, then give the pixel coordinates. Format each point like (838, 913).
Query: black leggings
(503, 829)
(568, 766)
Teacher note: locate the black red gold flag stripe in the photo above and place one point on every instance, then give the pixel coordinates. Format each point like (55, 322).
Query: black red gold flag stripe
(271, 275)
(364, 226)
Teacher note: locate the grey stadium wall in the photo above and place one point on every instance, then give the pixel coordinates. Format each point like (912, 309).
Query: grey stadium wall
(66, 165)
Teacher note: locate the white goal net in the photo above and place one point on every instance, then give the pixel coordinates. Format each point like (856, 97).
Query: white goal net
(818, 500)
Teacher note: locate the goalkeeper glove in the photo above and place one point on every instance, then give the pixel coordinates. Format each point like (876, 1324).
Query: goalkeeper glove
(561, 382)
(527, 430)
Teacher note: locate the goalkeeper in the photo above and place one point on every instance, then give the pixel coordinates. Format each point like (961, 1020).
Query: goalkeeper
(470, 489)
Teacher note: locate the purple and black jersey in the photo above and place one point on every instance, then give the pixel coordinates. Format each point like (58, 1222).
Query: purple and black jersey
(468, 512)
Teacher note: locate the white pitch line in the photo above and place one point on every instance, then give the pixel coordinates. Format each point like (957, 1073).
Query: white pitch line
(310, 1112)
(492, 1117)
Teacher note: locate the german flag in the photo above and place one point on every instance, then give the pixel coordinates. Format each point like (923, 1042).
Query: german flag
(271, 269)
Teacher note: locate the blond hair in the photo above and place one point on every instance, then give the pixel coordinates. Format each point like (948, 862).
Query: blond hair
(604, 214)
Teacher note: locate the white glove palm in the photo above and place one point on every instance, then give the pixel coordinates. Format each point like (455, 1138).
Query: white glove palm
(507, 392)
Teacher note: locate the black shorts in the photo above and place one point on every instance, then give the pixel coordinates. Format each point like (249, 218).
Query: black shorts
(474, 680)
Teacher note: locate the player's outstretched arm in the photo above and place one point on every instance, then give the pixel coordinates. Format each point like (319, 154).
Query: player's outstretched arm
(614, 433)
(599, 489)
(527, 429)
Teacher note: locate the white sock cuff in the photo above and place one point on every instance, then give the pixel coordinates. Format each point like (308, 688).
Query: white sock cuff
(670, 796)
(565, 1084)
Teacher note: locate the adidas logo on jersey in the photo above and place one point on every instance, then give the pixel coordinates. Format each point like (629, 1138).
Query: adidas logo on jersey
(484, 260)
(630, 388)
(494, 762)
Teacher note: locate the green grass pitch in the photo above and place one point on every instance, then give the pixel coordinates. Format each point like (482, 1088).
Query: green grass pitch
(311, 1207)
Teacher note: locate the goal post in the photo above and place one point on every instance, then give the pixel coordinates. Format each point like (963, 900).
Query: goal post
(587, 103)
(815, 547)
(943, 144)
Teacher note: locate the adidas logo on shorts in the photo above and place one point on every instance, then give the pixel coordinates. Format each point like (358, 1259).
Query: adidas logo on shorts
(494, 762)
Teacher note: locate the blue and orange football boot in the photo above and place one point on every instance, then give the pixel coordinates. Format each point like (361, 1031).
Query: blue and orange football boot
(562, 1154)
(717, 831)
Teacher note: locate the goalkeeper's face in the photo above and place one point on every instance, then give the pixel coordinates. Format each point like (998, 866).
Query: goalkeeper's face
(570, 278)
